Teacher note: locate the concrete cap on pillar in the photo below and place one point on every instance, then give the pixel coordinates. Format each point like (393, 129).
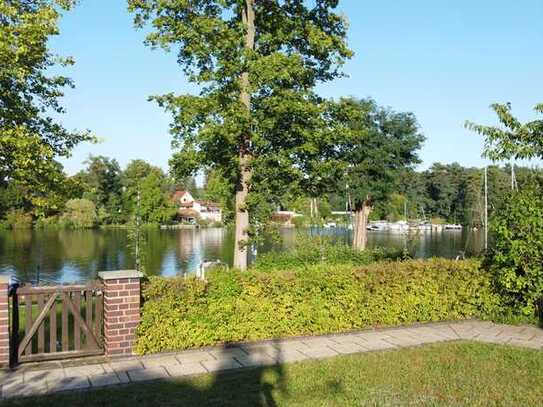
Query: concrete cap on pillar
(118, 274)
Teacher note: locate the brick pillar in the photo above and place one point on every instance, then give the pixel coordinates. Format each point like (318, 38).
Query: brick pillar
(121, 310)
(4, 321)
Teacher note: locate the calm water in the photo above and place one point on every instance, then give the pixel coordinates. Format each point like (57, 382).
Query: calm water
(79, 255)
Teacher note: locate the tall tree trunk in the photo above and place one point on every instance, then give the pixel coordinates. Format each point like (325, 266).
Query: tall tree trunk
(360, 233)
(242, 215)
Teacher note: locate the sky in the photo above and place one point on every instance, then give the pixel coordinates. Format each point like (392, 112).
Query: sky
(446, 61)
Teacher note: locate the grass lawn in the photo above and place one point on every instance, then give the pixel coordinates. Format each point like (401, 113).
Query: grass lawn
(446, 374)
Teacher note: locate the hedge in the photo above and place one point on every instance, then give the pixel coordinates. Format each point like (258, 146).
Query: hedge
(236, 306)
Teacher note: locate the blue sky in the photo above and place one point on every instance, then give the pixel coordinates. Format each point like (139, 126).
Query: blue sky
(446, 61)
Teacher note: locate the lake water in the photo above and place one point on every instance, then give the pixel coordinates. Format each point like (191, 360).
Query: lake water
(78, 255)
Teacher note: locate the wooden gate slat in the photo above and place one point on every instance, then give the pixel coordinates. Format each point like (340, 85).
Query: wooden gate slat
(88, 311)
(76, 310)
(53, 327)
(81, 323)
(41, 328)
(64, 327)
(28, 321)
(39, 320)
(86, 330)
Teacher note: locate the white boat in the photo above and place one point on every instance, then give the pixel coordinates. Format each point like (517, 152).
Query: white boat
(330, 225)
(453, 226)
(400, 226)
(380, 225)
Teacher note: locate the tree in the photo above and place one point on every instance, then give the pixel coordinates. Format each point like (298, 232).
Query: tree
(513, 139)
(102, 179)
(516, 258)
(80, 213)
(155, 204)
(257, 63)
(378, 145)
(30, 137)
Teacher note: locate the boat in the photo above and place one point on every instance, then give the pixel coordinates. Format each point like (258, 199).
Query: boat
(400, 226)
(378, 226)
(452, 226)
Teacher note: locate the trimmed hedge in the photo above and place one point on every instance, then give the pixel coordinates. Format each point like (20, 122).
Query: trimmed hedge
(235, 306)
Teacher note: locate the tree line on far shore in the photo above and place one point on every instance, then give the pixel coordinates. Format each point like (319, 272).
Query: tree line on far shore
(105, 194)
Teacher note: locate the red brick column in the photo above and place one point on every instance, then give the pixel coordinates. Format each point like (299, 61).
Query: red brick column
(121, 310)
(4, 321)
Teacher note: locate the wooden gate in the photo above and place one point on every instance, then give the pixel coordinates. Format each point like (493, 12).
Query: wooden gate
(56, 322)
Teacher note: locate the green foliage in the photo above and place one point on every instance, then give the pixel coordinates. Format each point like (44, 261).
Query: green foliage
(379, 144)
(235, 306)
(80, 213)
(516, 258)
(284, 133)
(18, 219)
(512, 139)
(155, 204)
(309, 251)
(30, 137)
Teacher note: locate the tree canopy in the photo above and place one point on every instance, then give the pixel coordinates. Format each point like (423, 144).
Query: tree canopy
(256, 116)
(30, 137)
(512, 139)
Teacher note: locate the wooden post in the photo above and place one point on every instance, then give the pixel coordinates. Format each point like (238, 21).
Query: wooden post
(4, 321)
(121, 310)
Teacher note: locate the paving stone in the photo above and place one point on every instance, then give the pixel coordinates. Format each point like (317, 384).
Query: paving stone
(160, 361)
(492, 339)
(85, 370)
(12, 378)
(123, 377)
(218, 365)
(526, 344)
(256, 359)
(292, 346)
(290, 356)
(23, 389)
(186, 369)
(318, 342)
(68, 383)
(37, 375)
(227, 353)
(106, 379)
(347, 348)
(126, 366)
(147, 374)
(403, 341)
(193, 357)
(378, 344)
(320, 352)
(266, 348)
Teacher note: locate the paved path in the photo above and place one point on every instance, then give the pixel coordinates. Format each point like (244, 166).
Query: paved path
(64, 376)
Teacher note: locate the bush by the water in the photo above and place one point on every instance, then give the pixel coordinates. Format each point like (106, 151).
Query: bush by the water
(18, 219)
(516, 258)
(308, 251)
(236, 306)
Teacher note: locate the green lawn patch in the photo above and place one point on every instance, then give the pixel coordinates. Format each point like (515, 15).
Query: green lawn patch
(446, 374)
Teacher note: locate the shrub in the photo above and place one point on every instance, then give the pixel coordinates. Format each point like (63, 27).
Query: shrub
(80, 213)
(516, 258)
(18, 219)
(237, 306)
(308, 251)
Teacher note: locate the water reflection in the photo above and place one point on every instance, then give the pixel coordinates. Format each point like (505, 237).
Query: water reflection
(78, 255)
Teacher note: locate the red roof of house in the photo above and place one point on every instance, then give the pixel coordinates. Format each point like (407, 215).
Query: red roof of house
(179, 194)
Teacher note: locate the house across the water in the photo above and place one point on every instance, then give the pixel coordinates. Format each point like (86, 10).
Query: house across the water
(192, 210)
